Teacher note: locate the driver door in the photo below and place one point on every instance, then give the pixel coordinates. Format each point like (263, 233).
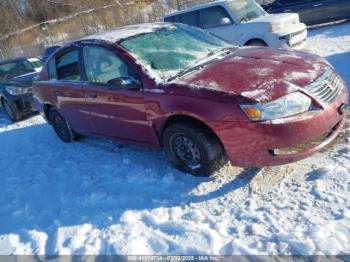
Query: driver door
(218, 22)
(116, 109)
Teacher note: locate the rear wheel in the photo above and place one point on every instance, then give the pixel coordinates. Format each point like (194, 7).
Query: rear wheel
(10, 111)
(192, 149)
(61, 126)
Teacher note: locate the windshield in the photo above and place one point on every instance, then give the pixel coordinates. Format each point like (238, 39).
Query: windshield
(246, 10)
(13, 69)
(172, 49)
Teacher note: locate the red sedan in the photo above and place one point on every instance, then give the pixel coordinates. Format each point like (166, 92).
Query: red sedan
(199, 98)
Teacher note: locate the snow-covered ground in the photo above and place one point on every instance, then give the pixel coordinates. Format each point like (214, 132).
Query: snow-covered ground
(101, 197)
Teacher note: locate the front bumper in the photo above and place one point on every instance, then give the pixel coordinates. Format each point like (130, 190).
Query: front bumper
(254, 144)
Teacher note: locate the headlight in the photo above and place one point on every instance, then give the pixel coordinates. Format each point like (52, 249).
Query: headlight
(276, 27)
(289, 105)
(16, 90)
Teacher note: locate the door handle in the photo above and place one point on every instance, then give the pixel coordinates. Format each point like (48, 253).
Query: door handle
(317, 5)
(92, 95)
(59, 92)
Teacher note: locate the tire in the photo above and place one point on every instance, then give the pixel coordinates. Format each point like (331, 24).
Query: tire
(256, 43)
(192, 149)
(10, 111)
(61, 126)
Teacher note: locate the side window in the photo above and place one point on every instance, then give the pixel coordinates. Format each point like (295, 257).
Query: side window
(190, 18)
(52, 69)
(24, 67)
(103, 65)
(214, 17)
(67, 66)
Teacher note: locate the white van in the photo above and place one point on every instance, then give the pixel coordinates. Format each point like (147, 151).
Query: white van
(244, 22)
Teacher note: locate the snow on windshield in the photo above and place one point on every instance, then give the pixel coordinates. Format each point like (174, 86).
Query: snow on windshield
(170, 50)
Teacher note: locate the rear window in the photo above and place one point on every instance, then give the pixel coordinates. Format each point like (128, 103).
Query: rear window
(35, 62)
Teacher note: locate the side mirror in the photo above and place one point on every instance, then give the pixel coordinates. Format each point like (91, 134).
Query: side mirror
(225, 21)
(126, 82)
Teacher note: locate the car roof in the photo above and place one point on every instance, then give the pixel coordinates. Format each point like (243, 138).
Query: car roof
(125, 32)
(198, 7)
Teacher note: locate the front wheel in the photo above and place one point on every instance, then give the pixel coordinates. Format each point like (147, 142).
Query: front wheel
(192, 149)
(10, 111)
(61, 126)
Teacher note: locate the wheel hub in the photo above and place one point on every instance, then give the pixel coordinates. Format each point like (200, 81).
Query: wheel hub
(187, 151)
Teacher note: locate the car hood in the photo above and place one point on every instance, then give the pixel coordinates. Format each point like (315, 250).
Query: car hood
(260, 74)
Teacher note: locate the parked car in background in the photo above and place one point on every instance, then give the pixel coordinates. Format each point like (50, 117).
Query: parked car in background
(198, 97)
(48, 51)
(16, 78)
(244, 22)
(312, 12)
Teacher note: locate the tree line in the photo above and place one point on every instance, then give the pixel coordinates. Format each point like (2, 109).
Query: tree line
(28, 26)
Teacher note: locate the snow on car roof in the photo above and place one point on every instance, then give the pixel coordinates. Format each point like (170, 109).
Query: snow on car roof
(120, 33)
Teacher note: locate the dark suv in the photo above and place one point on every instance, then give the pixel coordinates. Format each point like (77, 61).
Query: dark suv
(312, 12)
(16, 78)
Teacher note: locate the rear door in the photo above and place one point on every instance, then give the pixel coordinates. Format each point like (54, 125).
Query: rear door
(114, 110)
(67, 88)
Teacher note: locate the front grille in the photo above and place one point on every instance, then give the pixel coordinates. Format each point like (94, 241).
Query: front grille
(327, 88)
(297, 44)
(292, 35)
(297, 33)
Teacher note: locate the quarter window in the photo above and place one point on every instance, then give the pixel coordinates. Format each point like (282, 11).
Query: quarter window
(190, 18)
(213, 16)
(103, 65)
(67, 66)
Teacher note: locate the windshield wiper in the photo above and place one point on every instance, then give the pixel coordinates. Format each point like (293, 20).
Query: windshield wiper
(198, 65)
(214, 52)
(184, 72)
